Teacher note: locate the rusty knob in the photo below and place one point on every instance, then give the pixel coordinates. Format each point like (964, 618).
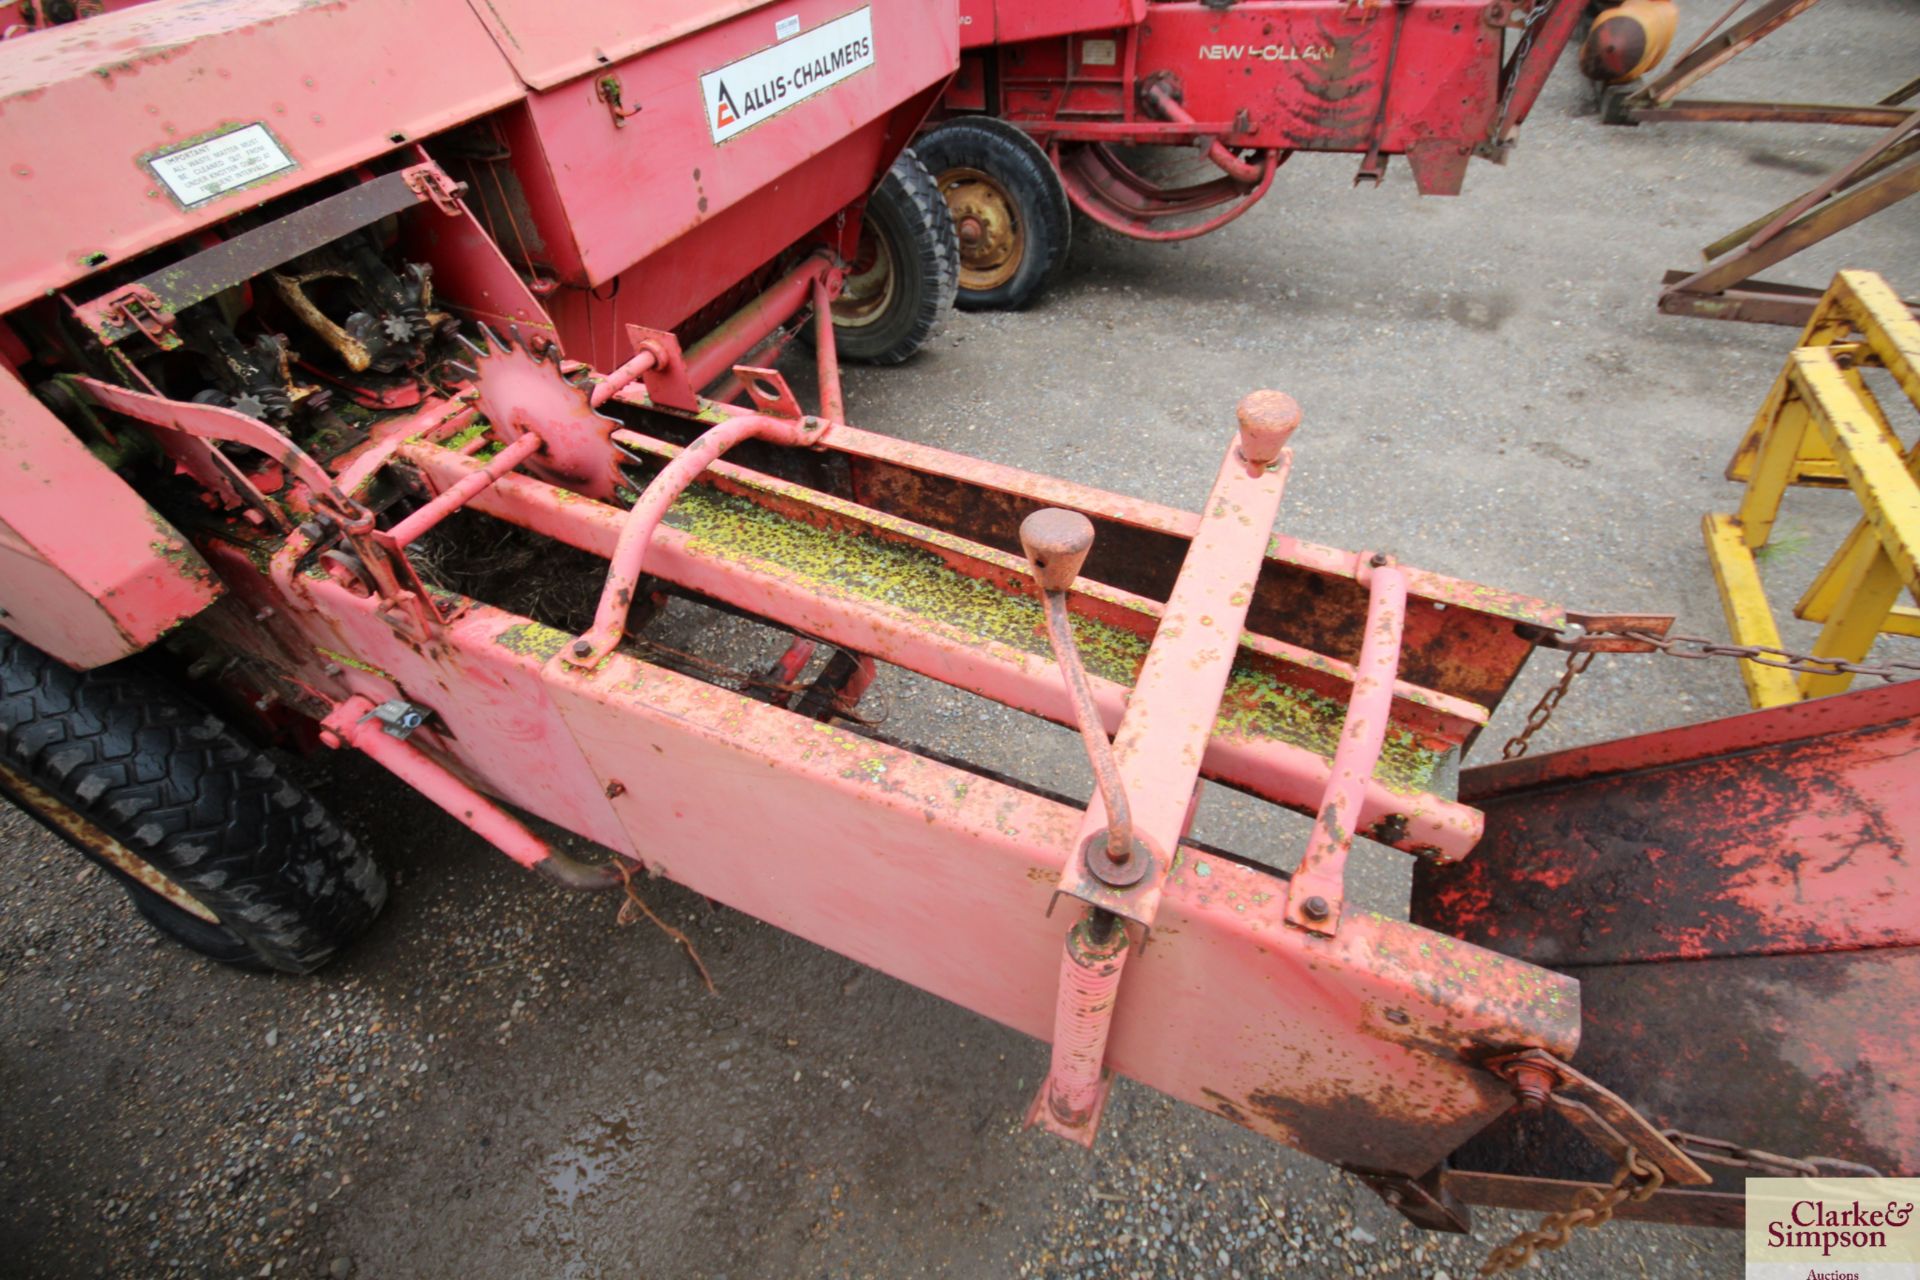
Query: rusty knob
(1267, 418)
(1056, 543)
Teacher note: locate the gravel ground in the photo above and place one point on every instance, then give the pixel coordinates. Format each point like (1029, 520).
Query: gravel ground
(503, 1081)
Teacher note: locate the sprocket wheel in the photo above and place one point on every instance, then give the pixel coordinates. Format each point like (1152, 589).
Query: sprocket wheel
(522, 390)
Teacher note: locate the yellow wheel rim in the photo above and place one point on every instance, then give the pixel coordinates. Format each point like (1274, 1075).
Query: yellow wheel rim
(992, 241)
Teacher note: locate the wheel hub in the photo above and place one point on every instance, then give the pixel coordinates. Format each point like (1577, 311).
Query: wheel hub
(992, 240)
(869, 283)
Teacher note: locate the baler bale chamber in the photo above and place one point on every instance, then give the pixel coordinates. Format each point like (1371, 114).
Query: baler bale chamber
(292, 409)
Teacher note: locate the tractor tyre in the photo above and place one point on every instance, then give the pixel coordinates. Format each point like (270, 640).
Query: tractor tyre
(1010, 211)
(217, 849)
(903, 275)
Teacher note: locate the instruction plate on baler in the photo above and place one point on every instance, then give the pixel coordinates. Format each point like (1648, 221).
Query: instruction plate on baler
(225, 162)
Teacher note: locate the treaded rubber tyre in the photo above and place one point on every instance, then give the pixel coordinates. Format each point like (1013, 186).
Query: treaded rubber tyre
(120, 754)
(905, 278)
(1022, 223)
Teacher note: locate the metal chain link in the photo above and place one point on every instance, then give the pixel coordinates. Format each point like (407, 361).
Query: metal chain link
(1635, 1182)
(1529, 28)
(1694, 648)
(1577, 661)
(1765, 655)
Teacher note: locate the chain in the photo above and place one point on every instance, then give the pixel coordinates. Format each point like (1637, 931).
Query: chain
(1694, 648)
(1530, 27)
(1764, 1163)
(1577, 661)
(1635, 1182)
(1764, 655)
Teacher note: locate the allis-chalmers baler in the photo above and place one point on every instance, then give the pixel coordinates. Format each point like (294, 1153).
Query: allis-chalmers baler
(209, 500)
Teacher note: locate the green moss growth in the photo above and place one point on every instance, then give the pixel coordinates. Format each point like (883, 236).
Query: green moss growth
(533, 639)
(863, 566)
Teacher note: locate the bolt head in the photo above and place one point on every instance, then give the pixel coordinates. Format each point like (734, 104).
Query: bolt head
(581, 648)
(1267, 419)
(1056, 543)
(1315, 908)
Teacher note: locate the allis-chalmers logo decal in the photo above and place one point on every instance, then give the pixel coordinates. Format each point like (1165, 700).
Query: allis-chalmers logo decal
(762, 85)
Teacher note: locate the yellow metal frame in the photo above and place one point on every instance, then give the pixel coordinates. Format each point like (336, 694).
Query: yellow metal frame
(1822, 427)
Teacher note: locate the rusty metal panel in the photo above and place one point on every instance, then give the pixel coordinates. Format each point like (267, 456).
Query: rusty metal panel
(1360, 1049)
(329, 86)
(1786, 830)
(963, 616)
(1803, 1056)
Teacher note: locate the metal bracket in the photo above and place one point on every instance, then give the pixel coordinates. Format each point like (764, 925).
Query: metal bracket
(429, 183)
(1603, 1116)
(769, 391)
(398, 717)
(1423, 1201)
(668, 383)
(1317, 893)
(132, 309)
(1598, 632)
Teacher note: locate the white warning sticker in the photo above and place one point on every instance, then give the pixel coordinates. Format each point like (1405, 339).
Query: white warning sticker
(204, 171)
(762, 85)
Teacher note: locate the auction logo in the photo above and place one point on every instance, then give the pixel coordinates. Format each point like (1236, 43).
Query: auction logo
(1833, 1229)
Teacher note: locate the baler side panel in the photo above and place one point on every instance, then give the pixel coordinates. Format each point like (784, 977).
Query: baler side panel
(335, 84)
(89, 573)
(548, 53)
(941, 878)
(629, 190)
(489, 720)
(680, 277)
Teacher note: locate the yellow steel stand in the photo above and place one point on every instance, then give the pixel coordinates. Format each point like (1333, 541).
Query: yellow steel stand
(1821, 426)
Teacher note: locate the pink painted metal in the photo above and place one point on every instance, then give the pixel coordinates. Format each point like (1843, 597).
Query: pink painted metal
(833, 401)
(1278, 770)
(604, 206)
(937, 875)
(445, 504)
(180, 72)
(1317, 895)
(730, 341)
(1073, 1096)
(355, 723)
(574, 225)
(1166, 727)
(91, 572)
(637, 530)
